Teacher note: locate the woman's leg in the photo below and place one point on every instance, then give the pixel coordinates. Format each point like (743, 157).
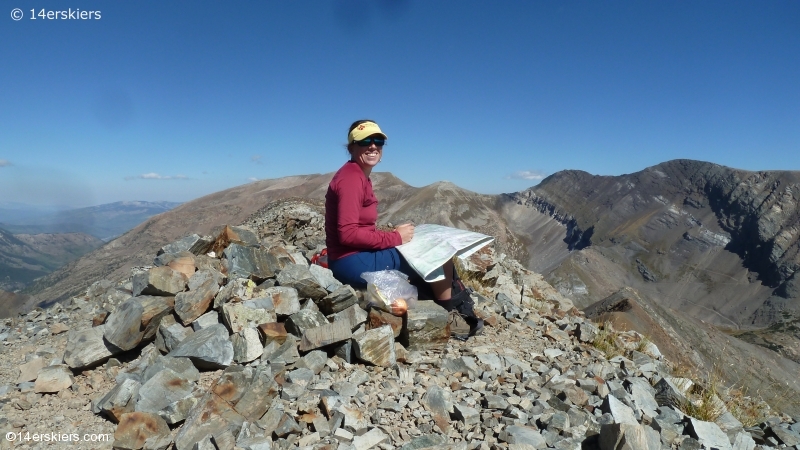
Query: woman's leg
(442, 289)
(458, 300)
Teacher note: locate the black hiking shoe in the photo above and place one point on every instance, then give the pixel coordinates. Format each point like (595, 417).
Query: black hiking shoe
(462, 304)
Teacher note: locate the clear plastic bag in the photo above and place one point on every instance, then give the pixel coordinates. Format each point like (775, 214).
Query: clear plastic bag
(390, 291)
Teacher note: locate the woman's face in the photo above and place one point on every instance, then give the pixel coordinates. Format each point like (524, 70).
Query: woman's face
(366, 157)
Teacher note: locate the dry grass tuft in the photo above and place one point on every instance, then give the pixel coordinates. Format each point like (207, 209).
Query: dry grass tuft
(704, 403)
(607, 341)
(473, 280)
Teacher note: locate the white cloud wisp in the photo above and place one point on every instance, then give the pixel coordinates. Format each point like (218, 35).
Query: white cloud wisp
(155, 176)
(526, 175)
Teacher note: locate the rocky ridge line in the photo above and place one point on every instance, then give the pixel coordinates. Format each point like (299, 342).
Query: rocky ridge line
(759, 209)
(251, 347)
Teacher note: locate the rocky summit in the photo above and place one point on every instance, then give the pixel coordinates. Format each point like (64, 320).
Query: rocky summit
(235, 341)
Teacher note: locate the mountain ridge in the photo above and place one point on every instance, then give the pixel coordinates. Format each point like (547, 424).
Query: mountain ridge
(674, 231)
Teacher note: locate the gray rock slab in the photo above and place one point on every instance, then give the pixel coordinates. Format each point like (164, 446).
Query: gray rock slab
(170, 334)
(621, 412)
(136, 427)
(254, 263)
(708, 434)
(303, 320)
(437, 401)
(223, 440)
(255, 443)
(340, 299)
(168, 395)
(285, 353)
(370, 439)
(586, 332)
(206, 320)
(124, 325)
(182, 366)
(314, 360)
(355, 420)
(465, 365)
(285, 299)
(518, 434)
(211, 415)
(193, 243)
(786, 436)
(469, 416)
(238, 316)
(493, 361)
(358, 377)
(625, 436)
(345, 388)
(643, 399)
(246, 345)
(236, 289)
(558, 422)
(202, 275)
(30, 370)
(208, 348)
(154, 310)
(258, 394)
(87, 348)
(159, 281)
(376, 346)
(287, 426)
(324, 277)
(728, 423)
(121, 399)
(329, 333)
(53, 379)
(195, 302)
(428, 327)
(300, 278)
(492, 401)
(345, 351)
(425, 441)
(743, 441)
(353, 315)
(672, 391)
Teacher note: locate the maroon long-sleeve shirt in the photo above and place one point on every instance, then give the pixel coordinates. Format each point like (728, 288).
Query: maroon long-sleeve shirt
(351, 212)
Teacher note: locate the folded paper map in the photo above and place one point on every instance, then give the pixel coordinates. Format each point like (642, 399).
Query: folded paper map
(434, 245)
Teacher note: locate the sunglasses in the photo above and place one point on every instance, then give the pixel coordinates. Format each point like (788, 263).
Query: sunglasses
(379, 142)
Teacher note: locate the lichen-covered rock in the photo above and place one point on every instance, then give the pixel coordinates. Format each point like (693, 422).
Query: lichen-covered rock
(376, 346)
(428, 326)
(238, 316)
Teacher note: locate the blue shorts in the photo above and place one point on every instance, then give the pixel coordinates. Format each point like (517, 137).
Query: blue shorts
(348, 270)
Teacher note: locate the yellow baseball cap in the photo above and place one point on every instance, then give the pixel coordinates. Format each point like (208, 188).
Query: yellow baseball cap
(363, 131)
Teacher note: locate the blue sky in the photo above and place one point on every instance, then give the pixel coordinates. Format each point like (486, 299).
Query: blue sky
(173, 100)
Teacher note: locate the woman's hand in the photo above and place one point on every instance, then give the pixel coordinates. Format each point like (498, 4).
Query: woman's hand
(406, 231)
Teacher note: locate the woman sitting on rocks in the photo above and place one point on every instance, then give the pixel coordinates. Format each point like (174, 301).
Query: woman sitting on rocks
(355, 245)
